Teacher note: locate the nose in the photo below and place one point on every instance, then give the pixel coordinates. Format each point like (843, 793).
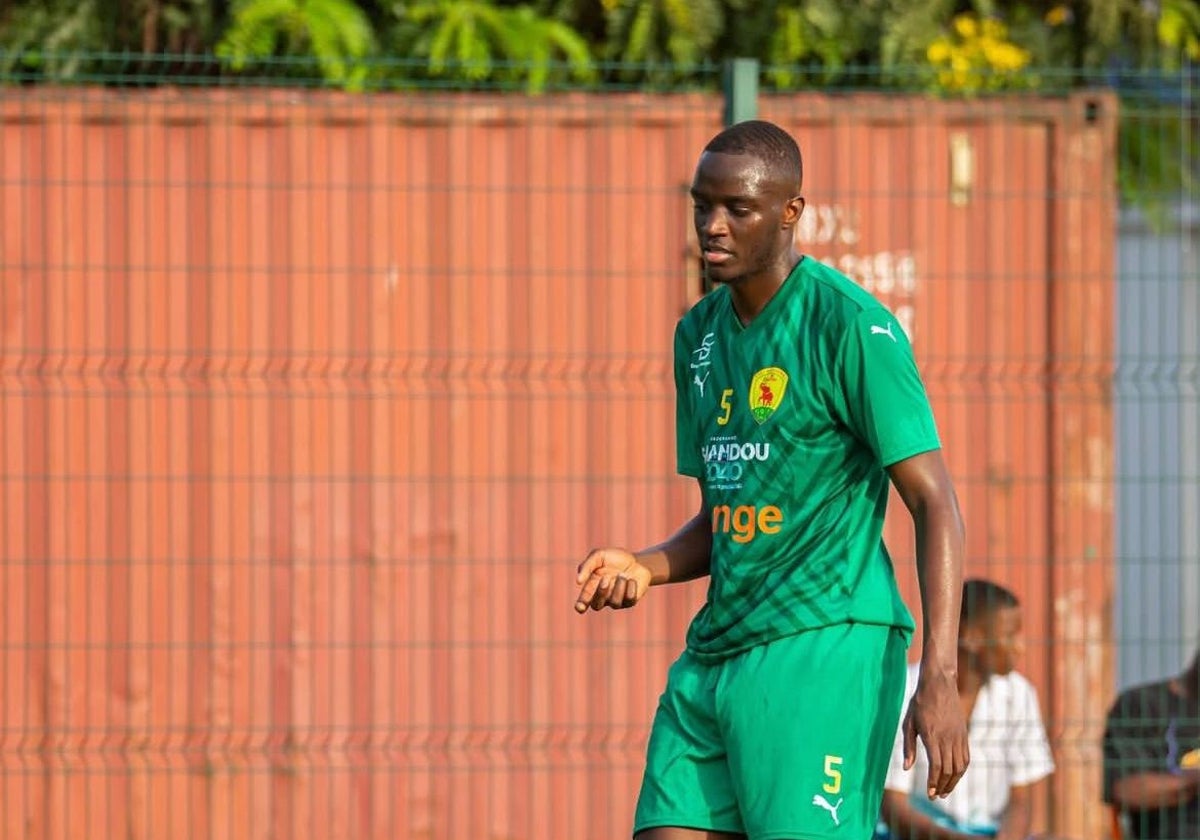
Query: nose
(712, 222)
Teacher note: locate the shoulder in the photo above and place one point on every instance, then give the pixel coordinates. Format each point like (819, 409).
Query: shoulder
(1014, 691)
(838, 295)
(841, 306)
(702, 311)
(1140, 701)
(698, 322)
(1017, 684)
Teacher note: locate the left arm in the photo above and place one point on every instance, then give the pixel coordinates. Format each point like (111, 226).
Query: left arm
(1018, 815)
(882, 399)
(924, 484)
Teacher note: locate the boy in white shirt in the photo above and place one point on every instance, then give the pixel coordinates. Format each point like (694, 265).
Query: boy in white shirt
(1009, 748)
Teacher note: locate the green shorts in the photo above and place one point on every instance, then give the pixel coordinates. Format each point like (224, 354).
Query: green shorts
(786, 741)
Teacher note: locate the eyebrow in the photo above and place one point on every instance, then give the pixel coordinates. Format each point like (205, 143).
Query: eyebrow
(727, 199)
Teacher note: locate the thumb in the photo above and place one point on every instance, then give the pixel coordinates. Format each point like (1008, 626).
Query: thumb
(910, 740)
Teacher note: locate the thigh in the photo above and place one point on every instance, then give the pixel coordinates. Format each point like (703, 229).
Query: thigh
(809, 723)
(686, 784)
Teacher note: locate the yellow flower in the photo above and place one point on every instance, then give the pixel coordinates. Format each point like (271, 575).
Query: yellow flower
(1005, 56)
(965, 26)
(938, 51)
(993, 28)
(1058, 16)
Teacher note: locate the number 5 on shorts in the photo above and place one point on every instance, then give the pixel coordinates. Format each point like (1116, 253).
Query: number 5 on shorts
(832, 763)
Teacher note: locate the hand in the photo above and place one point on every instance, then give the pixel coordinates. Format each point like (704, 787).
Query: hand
(610, 577)
(936, 716)
(1192, 775)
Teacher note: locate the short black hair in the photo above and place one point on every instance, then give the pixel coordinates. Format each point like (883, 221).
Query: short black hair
(765, 141)
(981, 598)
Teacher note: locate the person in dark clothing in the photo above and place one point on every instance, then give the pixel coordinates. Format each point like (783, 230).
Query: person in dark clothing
(1152, 757)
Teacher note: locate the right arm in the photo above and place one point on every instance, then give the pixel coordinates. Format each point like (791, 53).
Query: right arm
(685, 555)
(1143, 791)
(614, 577)
(907, 823)
(1135, 760)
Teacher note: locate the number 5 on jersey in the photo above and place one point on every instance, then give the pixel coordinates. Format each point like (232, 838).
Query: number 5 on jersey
(833, 774)
(727, 405)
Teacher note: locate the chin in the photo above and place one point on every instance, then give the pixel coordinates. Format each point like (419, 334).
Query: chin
(722, 275)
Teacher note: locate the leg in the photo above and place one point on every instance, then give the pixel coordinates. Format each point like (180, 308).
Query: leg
(810, 721)
(666, 833)
(686, 790)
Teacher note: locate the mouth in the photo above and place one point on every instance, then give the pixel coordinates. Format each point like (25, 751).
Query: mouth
(716, 256)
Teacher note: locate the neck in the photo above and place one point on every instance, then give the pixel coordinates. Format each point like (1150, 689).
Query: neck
(970, 678)
(752, 293)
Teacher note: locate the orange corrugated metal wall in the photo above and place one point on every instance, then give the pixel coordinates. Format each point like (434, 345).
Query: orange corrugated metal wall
(312, 403)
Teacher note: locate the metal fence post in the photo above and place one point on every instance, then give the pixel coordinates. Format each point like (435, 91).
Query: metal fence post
(740, 85)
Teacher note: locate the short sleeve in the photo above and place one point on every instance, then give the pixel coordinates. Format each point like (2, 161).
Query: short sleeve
(879, 394)
(1027, 750)
(687, 450)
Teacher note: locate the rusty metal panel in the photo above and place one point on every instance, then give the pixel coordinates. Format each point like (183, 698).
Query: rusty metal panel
(312, 403)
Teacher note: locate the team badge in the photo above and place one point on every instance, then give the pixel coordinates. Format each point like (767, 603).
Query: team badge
(766, 392)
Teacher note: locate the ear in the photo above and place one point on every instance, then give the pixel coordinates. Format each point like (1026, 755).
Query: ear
(792, 211)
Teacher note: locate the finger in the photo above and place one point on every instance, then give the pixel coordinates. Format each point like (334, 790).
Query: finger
(602, 591)
(631, 594)
(616, 598)
(910, 740)
(933, 782)
(587, 593)
(962, 760)
(958, 758)
(590, 564)
(947, 748)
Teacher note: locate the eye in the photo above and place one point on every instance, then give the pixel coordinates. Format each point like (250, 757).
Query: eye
(740, 210)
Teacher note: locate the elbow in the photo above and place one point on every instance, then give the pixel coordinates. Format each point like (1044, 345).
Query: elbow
(939, 512)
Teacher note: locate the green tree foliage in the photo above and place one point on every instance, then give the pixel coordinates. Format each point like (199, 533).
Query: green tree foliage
(802, 41)
(483, 41)
(337, 33)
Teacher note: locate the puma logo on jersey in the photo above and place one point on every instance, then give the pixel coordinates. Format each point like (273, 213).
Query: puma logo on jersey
(700, 382)
(877, 330)
(821, 802)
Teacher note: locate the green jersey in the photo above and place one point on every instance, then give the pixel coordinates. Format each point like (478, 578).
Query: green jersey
(789, 423)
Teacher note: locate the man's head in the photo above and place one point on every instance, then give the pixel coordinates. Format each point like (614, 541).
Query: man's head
(746, 193)
(989, 627)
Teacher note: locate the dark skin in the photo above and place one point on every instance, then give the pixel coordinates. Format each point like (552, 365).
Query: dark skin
(745, 215)
(989, 645)
(1142, 791)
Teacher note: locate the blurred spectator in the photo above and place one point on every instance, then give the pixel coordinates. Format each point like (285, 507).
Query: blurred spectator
(1009, 748)
(1152, 757)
